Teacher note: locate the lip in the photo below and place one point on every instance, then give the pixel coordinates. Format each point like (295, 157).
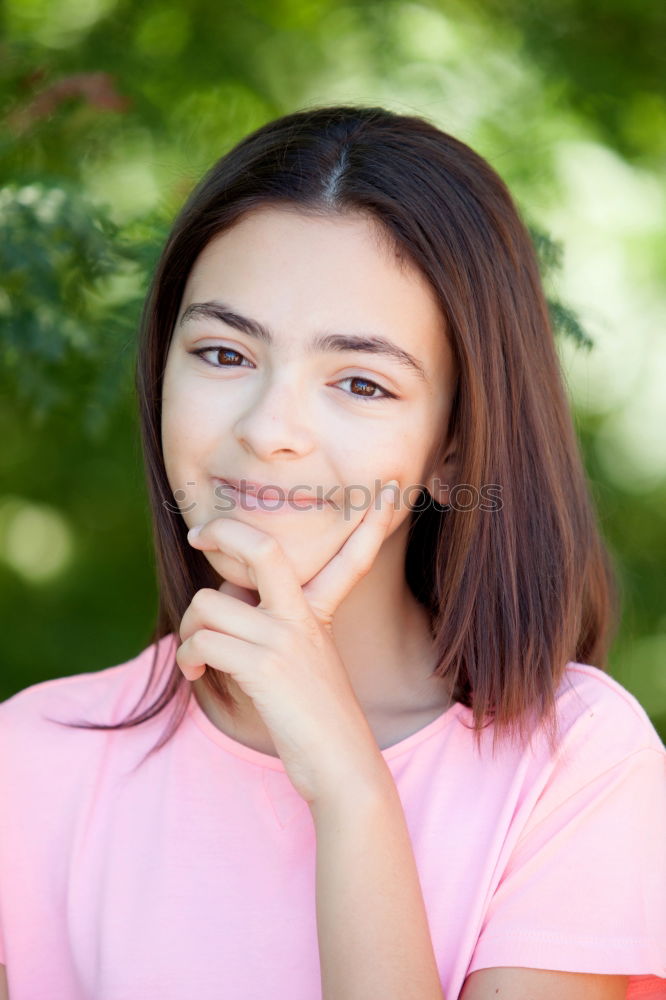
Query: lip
(248, 490)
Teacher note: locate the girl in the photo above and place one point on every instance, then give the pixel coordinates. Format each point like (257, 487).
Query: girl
(389, 768)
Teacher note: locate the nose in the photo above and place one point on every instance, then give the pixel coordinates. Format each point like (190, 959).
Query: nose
(276, 421)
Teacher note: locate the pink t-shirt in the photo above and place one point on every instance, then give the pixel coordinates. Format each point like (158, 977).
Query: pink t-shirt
(194, 876)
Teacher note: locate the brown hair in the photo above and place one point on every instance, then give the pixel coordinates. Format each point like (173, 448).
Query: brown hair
(513, 594)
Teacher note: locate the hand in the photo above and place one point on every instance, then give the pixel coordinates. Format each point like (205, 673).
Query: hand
(281, 651)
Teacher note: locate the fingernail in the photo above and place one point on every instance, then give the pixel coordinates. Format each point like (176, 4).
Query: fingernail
(193, 532)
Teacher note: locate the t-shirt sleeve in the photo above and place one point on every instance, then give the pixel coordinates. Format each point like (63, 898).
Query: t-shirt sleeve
(584, 889)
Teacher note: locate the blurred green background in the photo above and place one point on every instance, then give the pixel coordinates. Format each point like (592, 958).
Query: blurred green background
(112, 111)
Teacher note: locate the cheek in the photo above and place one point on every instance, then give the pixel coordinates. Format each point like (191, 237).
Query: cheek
(407, 460)
(398, 454)
(188, 424)
(418, 442)
(185, 443)
(171, 417)
(173, 446)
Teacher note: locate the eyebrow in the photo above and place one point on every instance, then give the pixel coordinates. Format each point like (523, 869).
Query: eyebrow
(367, 343)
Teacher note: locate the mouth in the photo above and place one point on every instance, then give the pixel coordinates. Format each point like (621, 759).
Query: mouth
(269, 499)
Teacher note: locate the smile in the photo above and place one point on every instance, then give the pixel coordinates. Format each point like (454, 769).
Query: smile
(265, 499)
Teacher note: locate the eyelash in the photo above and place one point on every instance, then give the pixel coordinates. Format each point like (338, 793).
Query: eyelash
(232, 350)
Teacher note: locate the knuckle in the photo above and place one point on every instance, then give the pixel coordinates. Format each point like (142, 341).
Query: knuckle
(202, 598)
(198, 641)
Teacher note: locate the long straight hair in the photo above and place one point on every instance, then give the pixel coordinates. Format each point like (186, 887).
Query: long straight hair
(513, 593)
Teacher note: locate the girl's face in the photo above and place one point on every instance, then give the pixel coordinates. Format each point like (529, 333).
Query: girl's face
(305, 358)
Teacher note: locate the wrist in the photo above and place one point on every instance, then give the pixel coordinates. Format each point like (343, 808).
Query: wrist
(354, 791)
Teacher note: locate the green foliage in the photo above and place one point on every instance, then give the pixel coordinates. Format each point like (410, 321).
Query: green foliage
(550, 254)
(70, 288)
(608, 58)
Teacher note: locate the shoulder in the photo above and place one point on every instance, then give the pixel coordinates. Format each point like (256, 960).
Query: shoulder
(600, 718)
(587, 823)
(101, 696)
(606, 748)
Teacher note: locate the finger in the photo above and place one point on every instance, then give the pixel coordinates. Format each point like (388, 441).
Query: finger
(274, 576)
(222, 652)
(223, 613)
(250, 597)
(332, 584)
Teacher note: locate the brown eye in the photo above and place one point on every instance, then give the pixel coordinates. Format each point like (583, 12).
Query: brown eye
(368, 393)
(228, 351)
(365, 382)
(219, 351)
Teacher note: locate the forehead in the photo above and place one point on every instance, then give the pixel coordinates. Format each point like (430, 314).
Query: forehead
(295, 232)
(293, 257)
